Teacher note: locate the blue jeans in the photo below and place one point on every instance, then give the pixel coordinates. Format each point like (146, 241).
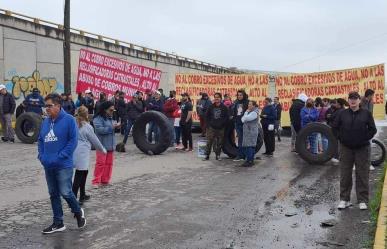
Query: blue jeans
(129, 124)
(177, 134)
(249, 153)
(59, 183)
(172, 126)
(153, 128)
(239, 131)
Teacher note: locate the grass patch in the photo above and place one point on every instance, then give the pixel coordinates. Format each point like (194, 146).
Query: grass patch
(374, 206)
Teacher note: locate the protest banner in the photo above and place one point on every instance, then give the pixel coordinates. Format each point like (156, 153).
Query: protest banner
(255, 85)
(102, 73)
(332, 84)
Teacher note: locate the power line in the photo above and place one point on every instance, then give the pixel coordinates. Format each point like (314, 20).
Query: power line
(334, 51)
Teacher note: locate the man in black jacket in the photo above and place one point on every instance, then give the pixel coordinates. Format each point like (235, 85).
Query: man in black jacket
(239, 109)
(217, 118)
(7, 108)
(295, 116)
(354, 128)
(134, 108)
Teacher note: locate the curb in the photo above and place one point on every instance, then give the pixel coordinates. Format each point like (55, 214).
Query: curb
(380, 235)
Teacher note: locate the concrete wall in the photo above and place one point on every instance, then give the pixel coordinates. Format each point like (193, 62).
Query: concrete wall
(31, 55)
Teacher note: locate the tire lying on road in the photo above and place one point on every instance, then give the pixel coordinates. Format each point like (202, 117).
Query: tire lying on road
(229, 146)
(139, 133)
(301, 143)
(27, 127)
(380, 159)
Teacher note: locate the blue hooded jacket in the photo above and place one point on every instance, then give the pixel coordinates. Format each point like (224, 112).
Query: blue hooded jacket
(34, 103)
(308, 115)
(57, 141)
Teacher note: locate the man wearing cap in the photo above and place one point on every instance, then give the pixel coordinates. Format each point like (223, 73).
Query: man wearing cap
(7, 108)
(354, 128)
(34, 102)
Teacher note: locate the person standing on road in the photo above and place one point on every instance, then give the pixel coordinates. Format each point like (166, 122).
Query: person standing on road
(57, 141)
(250, 133)
(367, 101)
(277, 125)
(268, 117)
(217, 117)
(86, 138)
(34, 102)
(7, 108)
(122, 112)
(104, 129)
(177, 127)
(295, 116)
(88, 101)
(170, 109)
(201, 109)
(102, 98)
(337, 105)
(354, 128)
(67, 104)
(309, 114)
(155, 104)
(134, 109)
(186, 122)
(239, 108)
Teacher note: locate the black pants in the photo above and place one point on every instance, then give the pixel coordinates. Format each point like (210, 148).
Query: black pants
(186, 134)
(269, 139)
(80, 182)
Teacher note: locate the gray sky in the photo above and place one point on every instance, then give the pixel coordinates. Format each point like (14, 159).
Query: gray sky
(281, 35)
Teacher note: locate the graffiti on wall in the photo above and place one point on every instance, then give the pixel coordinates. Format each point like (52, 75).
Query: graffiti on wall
(21, 86)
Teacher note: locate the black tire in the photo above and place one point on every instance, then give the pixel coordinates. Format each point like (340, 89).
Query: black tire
(382, 157)
(34, 121)
(305, 154)
(230, 148)
(139, 133)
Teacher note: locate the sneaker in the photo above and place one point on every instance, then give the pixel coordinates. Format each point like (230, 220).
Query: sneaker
(217, 158)
(4, 139)
(363, 206)
(189, 150)
(81, 220)
(335, 160)
(83, 199)
(249, 164)
(12, 140)
(206, 158)
(344, 204)
(54, 228)
(238, 159)
(372, 168)
(244, 164)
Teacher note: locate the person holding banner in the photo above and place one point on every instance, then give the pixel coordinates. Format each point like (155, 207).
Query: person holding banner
(217, 117)
(268, 117)
(239, 109)
(354, 127)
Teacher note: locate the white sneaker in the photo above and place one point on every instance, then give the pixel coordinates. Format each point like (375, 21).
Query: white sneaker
(363, 206)
(372, 168)
(344, 204)
(335, 161)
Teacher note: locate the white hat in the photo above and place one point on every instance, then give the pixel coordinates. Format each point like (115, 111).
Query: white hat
(87, 91)
(2, 87)
(158, 92)
(303, 97)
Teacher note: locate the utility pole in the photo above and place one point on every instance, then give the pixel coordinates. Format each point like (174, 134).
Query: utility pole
(66, 48)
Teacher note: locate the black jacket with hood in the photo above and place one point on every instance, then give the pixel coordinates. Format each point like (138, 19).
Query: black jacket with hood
(295, 114)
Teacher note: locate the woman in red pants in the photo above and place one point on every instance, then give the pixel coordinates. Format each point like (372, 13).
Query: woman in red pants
(104, 129)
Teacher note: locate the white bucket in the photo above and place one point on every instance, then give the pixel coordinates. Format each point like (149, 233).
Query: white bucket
(202, 145)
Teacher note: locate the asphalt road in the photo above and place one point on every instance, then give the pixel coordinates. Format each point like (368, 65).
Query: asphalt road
(177, 201)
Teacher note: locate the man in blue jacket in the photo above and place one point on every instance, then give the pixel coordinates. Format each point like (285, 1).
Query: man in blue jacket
(56, 144)
(34, 102)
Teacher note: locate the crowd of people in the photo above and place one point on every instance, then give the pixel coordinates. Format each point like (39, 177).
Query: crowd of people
(65, 142)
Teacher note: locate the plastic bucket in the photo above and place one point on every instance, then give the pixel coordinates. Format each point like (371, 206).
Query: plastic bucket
(202, 145)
